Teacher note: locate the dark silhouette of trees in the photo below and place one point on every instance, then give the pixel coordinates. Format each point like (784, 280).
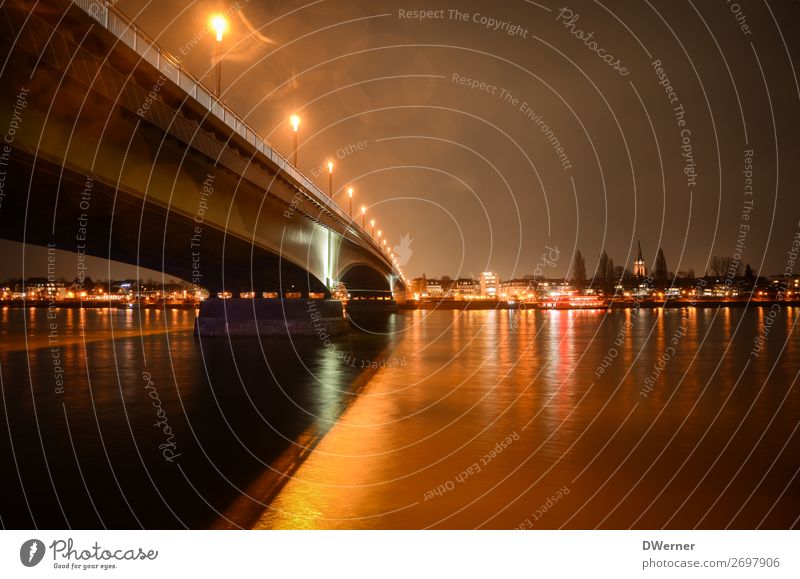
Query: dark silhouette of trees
(725, 266)
(602, 271)
(579, 271)
(660, 271)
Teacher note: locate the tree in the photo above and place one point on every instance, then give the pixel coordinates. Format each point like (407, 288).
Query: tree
(579, 271)
(602, 268)
(748, 272)
(725, 266)
(660, 271)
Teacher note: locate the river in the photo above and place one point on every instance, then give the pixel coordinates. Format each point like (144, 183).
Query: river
(480, 419)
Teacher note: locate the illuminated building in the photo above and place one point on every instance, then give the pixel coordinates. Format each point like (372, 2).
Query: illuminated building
(489, 284)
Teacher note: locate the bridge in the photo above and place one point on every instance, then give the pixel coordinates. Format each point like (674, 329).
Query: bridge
(112, 149)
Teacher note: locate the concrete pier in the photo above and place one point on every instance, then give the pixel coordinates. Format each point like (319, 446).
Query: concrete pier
(270, 317)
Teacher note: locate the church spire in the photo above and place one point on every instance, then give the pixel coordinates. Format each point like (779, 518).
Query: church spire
(639, 267)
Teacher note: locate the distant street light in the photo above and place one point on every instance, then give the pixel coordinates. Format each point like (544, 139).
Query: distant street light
(372, 224)
(330, 179)
(219, 24)
(295, 120)
(350, 194)
(379, 234)
(363, 217)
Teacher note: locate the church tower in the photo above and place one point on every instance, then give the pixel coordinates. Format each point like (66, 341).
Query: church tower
(639, 268)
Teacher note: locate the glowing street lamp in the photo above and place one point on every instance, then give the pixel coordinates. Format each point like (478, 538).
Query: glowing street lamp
(219, 24)
(379, 234)
(295, 121)
(330, 179)
(372, 224)
(350, 195)
(363, 217)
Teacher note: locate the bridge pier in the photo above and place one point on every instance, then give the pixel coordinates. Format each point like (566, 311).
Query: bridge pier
(270, 317)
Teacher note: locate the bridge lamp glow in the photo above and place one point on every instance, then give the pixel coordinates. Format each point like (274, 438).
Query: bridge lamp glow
(363, 217)
(219, 24)
(350, 195)
(330, 178)
(295, 121)
(379, 233)
(372, 224)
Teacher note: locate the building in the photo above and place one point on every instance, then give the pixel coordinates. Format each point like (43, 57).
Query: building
(518, 289)
(465, 287)
(434, 288)
(419, 286)
(489, 285)
(639, 267)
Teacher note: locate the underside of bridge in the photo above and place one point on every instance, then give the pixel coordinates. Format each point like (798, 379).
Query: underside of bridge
(167, 186)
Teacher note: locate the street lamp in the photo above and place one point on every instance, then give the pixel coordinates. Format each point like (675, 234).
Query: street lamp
(379, 234)
(363, 217)
(295, 120)
(219, 24)
(372, 224)
(330, 179)
(350, 195)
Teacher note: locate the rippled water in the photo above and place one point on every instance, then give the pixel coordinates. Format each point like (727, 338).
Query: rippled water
(493, 419)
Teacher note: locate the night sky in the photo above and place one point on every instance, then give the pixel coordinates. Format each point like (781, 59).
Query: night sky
(489, 132)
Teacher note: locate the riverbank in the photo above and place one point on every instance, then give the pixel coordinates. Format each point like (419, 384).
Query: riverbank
(608, 305)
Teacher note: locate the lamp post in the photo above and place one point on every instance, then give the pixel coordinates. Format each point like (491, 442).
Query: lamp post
(363, 217)
(330, 179)
(295, 120)
(372, 224)
(350, 195)
(219, 24)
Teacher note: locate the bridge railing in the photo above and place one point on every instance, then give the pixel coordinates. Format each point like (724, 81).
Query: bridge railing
(127, 31)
